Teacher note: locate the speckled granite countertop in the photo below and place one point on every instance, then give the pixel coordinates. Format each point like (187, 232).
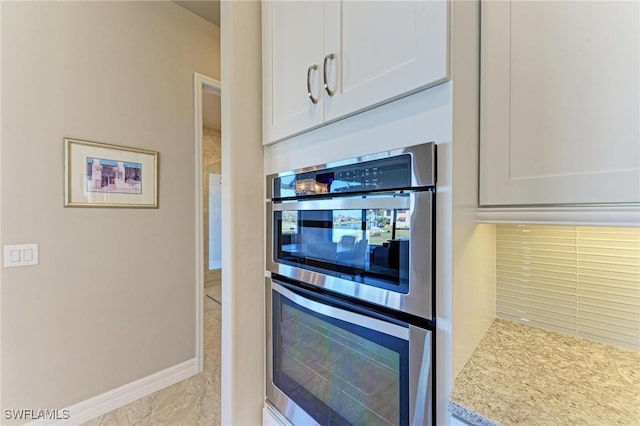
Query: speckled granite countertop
(521, 375)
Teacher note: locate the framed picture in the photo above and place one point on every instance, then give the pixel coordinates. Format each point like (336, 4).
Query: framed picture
(103, 175)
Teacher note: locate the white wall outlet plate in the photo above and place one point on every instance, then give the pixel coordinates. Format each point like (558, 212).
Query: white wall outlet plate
(20, 255)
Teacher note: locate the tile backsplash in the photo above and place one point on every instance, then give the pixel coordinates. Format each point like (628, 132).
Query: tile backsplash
(578, 280)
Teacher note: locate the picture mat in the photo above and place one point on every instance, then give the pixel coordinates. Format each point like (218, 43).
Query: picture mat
(78, 151)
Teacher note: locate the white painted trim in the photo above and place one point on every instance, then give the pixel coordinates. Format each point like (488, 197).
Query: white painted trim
(243, 320)
(111, 400)
(586, 215)
(200, 82)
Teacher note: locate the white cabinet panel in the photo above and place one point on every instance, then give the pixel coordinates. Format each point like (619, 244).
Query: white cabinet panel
(560, 103)
(384, 50)
(290, 47)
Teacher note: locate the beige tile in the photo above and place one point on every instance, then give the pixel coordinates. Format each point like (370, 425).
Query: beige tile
(114, 418)
(141, 409)
(215, 292)
(168, 403)
(193, 401)
(212, 361)
(212, 326)
(186, 404)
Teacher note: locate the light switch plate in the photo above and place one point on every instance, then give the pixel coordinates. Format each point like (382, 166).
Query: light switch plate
(20, 255)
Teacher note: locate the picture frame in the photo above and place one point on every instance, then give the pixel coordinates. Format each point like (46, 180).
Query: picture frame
(103, 175)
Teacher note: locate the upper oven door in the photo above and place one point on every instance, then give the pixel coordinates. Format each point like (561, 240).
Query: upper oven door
(375, 248)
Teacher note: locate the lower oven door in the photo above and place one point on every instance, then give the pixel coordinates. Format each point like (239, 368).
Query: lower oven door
(331, 363)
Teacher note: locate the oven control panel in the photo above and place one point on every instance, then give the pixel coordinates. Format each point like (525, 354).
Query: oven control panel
(375, 175)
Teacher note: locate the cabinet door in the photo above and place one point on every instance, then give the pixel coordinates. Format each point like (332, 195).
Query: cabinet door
(382, 50)
(292, 33)
(560, 103)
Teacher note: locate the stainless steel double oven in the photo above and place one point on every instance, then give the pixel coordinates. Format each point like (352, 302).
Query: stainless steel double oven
(350, 292)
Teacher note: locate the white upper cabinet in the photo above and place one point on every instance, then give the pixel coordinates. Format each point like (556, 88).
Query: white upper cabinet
(560, 101)
(348, 56)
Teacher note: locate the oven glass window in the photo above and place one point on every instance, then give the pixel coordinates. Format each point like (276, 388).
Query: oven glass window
(338, 372)
(369, 246)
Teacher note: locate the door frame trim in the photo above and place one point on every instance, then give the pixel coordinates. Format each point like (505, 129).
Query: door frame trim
(201, 83)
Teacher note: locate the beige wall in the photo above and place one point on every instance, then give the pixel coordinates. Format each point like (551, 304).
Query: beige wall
(112, 299)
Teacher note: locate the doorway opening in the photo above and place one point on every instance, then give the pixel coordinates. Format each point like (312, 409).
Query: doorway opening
(212, 195)
(208, 183)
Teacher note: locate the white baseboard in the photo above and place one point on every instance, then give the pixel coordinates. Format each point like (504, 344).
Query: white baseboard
(111, 400)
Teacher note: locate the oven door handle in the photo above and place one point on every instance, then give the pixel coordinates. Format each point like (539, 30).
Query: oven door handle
(341, 314)
(393, 202)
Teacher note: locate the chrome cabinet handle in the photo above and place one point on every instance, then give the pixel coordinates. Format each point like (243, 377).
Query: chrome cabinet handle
(313, 100)
(324, 74)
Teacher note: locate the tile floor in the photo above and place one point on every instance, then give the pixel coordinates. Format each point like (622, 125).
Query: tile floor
(194, 401)
(214, 292)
